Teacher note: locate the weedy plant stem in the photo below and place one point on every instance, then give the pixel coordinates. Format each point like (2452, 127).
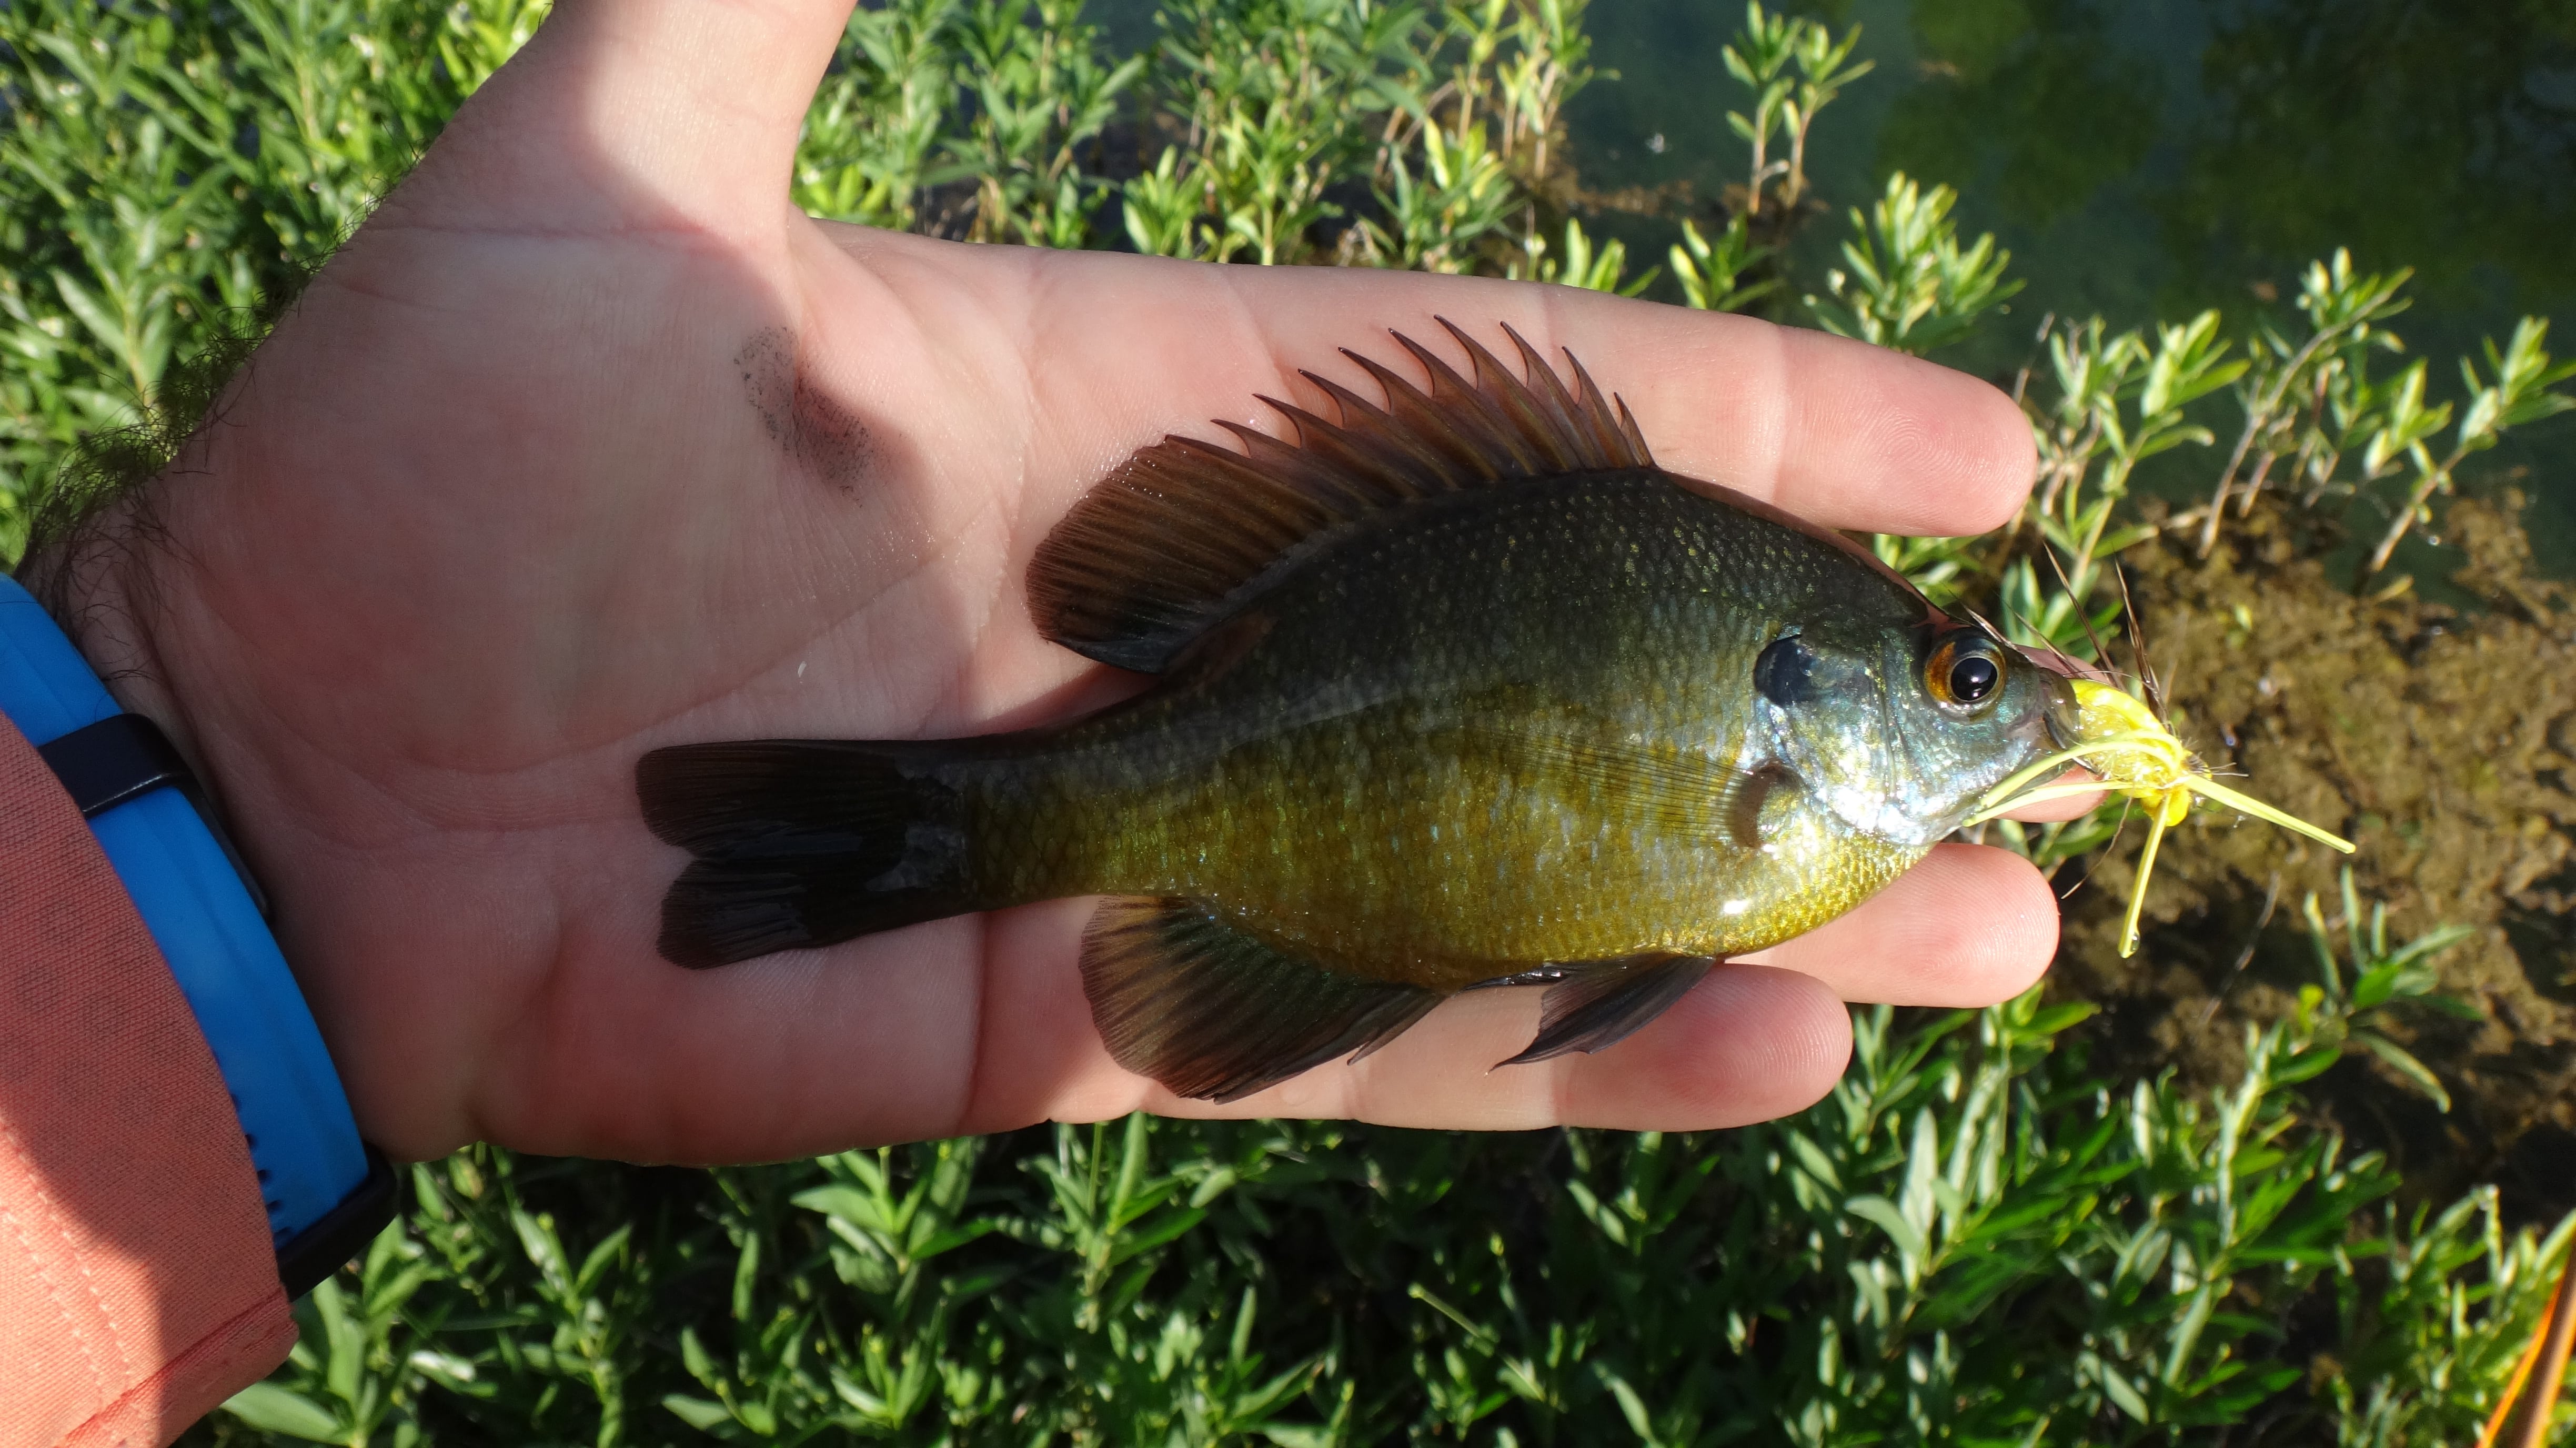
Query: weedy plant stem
(2342, 309)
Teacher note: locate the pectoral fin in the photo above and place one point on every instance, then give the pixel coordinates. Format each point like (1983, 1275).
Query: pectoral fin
(1212, 1011)
(1598, 1003)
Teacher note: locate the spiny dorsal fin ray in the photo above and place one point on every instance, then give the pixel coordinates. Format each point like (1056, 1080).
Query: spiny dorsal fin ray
(1184, 531)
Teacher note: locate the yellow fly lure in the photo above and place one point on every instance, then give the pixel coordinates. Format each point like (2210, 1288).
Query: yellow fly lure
(2120, 739)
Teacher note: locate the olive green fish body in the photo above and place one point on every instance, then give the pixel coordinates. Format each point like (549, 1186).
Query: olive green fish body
(1459, 691)
(1493, 737)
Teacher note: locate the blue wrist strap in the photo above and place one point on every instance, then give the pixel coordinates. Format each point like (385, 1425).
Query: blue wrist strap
(320, 1183)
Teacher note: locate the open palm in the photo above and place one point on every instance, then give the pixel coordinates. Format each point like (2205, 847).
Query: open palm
(589, 443)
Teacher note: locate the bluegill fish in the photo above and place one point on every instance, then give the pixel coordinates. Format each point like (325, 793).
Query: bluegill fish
(1458, 691)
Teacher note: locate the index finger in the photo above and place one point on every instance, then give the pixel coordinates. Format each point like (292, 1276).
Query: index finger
(1837, 431)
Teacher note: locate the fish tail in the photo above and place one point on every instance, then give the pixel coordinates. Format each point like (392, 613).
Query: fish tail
(806, 842)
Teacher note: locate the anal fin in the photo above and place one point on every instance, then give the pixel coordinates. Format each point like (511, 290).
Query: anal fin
(1213, 1011)
(1599, 1003)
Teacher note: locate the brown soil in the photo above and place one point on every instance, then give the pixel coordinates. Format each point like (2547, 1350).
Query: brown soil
(2443, 742)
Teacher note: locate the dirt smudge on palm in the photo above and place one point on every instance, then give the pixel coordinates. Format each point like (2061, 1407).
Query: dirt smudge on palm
(820, 433)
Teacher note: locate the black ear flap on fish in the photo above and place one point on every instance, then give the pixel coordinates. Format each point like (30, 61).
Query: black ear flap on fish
(1186, 531)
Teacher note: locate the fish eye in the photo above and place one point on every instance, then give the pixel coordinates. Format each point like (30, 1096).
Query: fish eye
(1965, 670)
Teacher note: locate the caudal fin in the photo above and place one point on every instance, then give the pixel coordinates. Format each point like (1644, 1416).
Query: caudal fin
(802, 843)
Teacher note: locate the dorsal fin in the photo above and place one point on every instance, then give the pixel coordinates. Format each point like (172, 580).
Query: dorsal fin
(1184, 530)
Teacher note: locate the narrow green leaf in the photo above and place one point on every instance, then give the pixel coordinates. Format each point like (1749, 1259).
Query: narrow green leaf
(2403, 1062)
(275, 1409)
(1886, 1216)
(698, 1413)
(2123, 1396)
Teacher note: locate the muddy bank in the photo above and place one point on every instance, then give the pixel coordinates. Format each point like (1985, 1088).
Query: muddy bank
(2443, 742)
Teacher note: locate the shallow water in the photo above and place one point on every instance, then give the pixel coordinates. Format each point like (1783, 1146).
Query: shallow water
(2147, 158)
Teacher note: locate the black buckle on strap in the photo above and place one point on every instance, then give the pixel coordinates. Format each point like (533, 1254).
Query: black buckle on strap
(124, 757)
(116, 759)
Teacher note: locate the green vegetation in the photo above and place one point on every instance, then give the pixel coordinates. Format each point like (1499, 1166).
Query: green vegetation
(1992, 1232)
(1974, 1239)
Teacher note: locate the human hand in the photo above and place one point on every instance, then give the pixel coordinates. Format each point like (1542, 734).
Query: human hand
(589, 443)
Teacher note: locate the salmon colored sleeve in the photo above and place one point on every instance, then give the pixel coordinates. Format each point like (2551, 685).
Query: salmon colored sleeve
(138, 1288)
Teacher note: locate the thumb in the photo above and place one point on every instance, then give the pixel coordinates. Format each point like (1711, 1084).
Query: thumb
(626, 112)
